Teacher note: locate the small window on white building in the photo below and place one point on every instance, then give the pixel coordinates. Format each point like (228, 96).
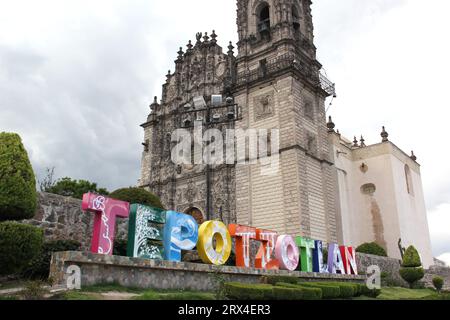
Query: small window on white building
(408, 178)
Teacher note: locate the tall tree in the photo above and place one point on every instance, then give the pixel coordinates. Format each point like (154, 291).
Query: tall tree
(74, 188)
(18, 197)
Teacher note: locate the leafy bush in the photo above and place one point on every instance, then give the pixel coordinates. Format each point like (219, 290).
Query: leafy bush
(438, 283)
(74, 188)
(34, 290)
(348, 289)
(372, 248)
(372, 293)
(412, 275)
(18, 197)
(242, 291)
(19, 245)
(40, 266)
(137, 196)
(273, 280)
(411, 258)
(411, 270)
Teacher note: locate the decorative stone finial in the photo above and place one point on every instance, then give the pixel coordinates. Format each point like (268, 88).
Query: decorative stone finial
(355, 143)
(154, 104)
(363, 142)
(180, 53)
(189, 46)
(384, 135)
(230, 49)
(206, 38)
(168, 74)
(413, 156)
(330, 125)
(338, 132)
(213, 37)
(198, 36)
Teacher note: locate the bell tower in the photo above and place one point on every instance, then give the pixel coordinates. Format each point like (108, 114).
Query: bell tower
(278, 85)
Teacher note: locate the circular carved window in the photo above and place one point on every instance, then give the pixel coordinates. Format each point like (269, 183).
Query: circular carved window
(368, 189)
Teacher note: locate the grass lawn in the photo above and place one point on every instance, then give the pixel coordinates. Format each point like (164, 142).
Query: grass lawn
(116, 292)
(397, 293)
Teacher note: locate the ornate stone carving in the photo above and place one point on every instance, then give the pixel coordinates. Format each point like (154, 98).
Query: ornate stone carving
(264, 106)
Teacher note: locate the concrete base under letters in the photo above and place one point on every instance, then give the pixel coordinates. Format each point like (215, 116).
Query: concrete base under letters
(152, 274)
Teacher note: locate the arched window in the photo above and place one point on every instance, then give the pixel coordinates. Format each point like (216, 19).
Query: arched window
(408, 178)
(264, 20)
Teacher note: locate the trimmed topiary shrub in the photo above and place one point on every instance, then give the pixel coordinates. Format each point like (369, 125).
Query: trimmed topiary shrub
(328, 291)
(411, 270)
(19, 245)
(18, 197)
(273, 280)
(371, 293)
(286, 293)
(137, 196)
(40, 266)
(242, 291)
(372, 248)
(438, 283)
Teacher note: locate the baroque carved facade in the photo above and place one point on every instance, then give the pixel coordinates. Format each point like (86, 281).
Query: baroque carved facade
(272, 79)
(326, 188)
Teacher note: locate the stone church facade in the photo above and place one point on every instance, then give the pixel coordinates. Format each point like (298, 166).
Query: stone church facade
(273, 82)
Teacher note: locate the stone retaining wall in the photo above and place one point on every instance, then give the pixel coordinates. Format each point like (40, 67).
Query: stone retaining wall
(443, 272)
(153, 274)
(390, 268)
(61, 218)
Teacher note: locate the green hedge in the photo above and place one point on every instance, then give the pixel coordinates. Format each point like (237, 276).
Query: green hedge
(18, 197)
(242, 291)
(276, 279)
(328, 291)
(40, 266)
(137, 196)
(284, 293)
(438, 283)
(372, 248)
(19, 245)
(309, 292)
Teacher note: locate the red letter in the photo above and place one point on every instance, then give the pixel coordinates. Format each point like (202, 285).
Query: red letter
(349, 260)
(106, 210)
(264, 256)
(242, 235)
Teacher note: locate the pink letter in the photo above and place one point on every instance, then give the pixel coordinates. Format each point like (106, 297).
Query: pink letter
(106, 210)
(286, 251)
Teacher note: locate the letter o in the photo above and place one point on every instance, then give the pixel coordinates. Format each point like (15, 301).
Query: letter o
(207, 233)
(286, 251)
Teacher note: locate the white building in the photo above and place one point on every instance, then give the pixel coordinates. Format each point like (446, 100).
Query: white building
(381, 197)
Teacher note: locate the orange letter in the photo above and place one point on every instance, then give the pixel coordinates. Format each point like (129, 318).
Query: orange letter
(242, 235)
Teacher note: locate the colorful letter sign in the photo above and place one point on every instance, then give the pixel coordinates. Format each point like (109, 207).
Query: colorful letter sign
(162, 235)
(287, 253)
(268, 241)
(214, 253)
(349, 260)
(305, 246)
(335, 264)
(146, 232)
(242, 237)
(318, 265)
(106, 210)
(180, 233)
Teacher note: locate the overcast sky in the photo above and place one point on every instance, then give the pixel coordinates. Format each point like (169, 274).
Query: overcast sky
(77, 76)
